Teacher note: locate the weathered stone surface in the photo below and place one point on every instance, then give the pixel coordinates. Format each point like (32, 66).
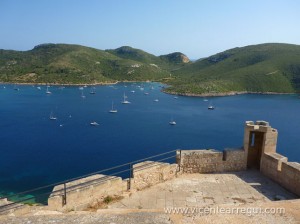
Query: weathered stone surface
(149, 173)
(211, 161)
(85, 190)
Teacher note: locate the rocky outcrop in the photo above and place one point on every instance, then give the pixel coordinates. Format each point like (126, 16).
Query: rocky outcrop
(176, 57)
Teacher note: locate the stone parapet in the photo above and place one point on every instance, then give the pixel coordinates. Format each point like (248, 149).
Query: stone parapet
(149, 173)
(289, 177)
(211, 161)
(84, 191)
(271, 163)
(277, 167)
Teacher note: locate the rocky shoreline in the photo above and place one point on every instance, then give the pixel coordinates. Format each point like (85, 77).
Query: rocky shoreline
(232, 93)
(72, 84)
(60, 84)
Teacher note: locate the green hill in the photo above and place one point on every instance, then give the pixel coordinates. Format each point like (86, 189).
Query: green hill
(63, 63)
(167, 62)
(257, 68)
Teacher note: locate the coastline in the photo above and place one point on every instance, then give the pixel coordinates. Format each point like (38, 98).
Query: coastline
(60, 84)
(231, 93)
(72, 84)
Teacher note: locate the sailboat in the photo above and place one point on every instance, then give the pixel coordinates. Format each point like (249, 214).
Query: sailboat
(47, 91)
(172, 122)
(205, 100)
(82, 95)
(124, 100)
(16, 88)
(52, 117)
(112, 108)
(211, 107)
(93, 90)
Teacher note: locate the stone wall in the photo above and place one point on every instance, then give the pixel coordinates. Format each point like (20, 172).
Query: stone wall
(287, 174)
(84, 191)
(149, 173)
(271, 164)
(211, 161)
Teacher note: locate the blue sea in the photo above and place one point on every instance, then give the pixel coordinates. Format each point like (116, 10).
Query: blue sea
(36, 151)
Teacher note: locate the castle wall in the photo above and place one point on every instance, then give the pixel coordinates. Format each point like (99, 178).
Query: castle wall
(277, 168)
(149, 173)
(271, 164)
(211, 161)
(83, 192)
(86, 190)
(290, 177)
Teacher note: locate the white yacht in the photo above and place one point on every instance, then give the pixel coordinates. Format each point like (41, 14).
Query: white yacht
(93, 90)
(172, 123)
(94, 123)
(211, 107)
(16, 88)
(112, 108)
(52, 117)
(125, 101)
(47, 91)
(82, 95)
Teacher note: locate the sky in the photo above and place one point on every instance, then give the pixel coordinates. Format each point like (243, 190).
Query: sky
(197, 28)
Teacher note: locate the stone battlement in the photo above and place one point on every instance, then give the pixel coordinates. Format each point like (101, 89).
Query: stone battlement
(211, 161)
(287, 174)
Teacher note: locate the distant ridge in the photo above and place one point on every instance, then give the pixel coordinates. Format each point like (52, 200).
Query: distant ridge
(271, 67)
(168, 62)
(263, 68)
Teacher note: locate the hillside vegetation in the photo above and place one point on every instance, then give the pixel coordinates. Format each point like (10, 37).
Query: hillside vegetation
(73, 64)
(257, 68)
